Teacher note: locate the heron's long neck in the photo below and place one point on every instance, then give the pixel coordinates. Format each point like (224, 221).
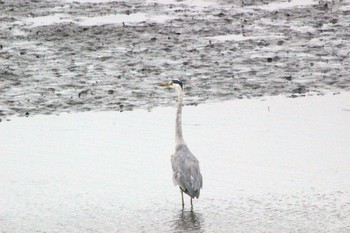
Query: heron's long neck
(178, 128)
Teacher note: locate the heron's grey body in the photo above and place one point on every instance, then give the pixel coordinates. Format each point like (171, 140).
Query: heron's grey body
(186, 171)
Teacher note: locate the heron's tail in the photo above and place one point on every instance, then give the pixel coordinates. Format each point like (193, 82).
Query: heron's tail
(192, 193)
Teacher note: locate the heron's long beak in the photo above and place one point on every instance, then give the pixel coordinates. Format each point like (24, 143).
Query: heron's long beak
(164, 84)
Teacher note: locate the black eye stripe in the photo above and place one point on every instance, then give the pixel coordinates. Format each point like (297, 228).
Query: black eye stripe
(177, 82)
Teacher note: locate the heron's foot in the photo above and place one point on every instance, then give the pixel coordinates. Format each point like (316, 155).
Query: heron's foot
(191, 205)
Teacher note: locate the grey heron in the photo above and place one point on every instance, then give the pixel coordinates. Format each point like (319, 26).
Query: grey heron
(186, 171)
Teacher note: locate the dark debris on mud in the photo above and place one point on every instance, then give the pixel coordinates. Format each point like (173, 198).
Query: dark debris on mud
(68, 67)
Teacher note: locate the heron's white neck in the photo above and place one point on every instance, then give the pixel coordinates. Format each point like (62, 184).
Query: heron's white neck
(178, 126)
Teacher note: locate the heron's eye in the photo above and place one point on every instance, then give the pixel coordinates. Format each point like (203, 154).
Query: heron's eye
(178, 82)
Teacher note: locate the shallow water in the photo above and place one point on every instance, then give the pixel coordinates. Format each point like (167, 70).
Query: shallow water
(269, 165)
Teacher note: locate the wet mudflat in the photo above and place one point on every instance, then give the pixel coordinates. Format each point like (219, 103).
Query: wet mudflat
(269, 165)
(72, 56)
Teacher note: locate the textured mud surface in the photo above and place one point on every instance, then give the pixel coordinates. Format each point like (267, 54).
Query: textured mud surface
(65, 56)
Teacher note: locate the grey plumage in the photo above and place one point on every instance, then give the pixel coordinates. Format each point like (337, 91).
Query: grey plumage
(186, 171)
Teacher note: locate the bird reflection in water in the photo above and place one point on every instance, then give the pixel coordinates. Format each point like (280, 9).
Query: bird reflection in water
(188, 221)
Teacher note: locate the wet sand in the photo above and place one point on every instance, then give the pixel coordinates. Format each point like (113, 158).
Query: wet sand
(73, 56)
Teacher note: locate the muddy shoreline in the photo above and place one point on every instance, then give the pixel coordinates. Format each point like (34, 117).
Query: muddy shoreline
(56, 57)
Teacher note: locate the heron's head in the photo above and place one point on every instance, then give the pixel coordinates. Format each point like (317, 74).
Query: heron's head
(177, 84)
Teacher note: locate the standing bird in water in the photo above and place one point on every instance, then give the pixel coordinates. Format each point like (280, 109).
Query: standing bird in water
(186, 172)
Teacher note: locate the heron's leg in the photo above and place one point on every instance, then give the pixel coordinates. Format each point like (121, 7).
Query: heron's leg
(191, 204)
(182, 198)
